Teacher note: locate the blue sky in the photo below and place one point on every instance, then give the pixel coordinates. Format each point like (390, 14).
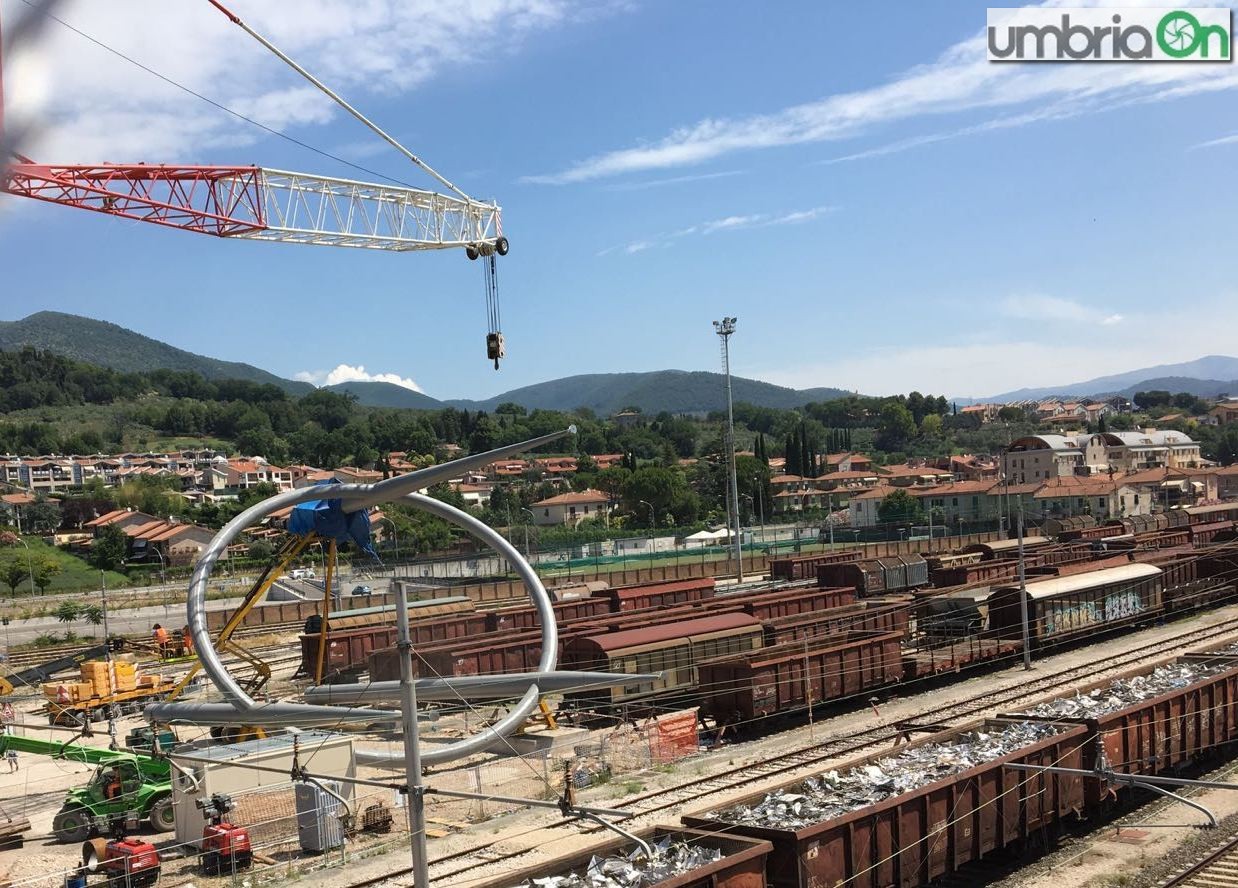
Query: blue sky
(881, 210)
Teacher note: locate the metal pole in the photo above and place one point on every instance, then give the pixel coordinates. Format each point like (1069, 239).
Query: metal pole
(808, 692)
(653, 524)
(29, 564)
(111, 722)
(725, 328)
(412, 744)
(1027, 645)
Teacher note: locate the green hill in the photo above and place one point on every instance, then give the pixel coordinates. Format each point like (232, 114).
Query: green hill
(676, 391)
(386, 394)
(112, 346)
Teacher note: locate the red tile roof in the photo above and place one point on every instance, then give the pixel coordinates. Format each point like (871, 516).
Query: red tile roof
(575, 498)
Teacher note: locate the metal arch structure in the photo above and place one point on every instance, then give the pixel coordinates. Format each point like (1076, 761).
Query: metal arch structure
(240, 708)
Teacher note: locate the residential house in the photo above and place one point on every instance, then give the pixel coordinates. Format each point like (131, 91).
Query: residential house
(570, 508)
(913, 474)
(1041, 457)
(1169, 488)
(959, 502)
(120, 519)
(848, 462)
(1227, 482)
(1132, 451)
(1225, 412)
(1101, 497)
(474, 494)
(354, 475)
(13, 508)
(986, 412)
(627, 419)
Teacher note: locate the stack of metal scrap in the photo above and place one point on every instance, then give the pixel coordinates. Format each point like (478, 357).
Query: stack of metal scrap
(635, 870)
(1125, 692)
(833, 794)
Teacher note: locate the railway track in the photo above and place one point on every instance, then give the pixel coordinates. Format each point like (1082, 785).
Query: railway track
(799, 762)
(1219, 869)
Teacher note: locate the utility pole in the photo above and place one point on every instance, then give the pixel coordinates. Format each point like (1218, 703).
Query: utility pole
(412, 744)
(724, 328)
(111, 665)
(1027, 643)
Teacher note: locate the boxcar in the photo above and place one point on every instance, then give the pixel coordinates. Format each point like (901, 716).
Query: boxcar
(768, 605)
(1068, 607)
(790, 676)
(866, 616)
(659, 594)
(1007, 548)
(347, 651)
(865, 577)
(804, 567)
(1212, 514)
(932, 830)
(525, 616)
(385, 613)
(673, 649)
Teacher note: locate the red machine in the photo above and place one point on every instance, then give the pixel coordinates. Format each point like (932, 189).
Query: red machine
(225, 847)
(126, 861)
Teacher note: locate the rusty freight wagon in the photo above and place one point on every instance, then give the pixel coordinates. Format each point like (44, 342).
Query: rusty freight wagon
(804, 567)
(741, 865)
(673, 649)
(348, 651)
(664, 594)
(525, 616)
(1191, 718)
(949, 815)
(792, 676)
(789, 602)
(865, 577)
(1065, 608)
(873, 615)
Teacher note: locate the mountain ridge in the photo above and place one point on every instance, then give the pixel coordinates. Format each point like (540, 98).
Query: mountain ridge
(1210, 368)
(105, 344)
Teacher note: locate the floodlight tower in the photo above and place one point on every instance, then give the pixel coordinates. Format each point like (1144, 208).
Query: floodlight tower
(724, 328)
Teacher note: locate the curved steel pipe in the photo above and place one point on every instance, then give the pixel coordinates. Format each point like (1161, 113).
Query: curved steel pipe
(354, 497)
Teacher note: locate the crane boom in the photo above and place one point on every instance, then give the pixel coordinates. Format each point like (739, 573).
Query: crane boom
(263, 204)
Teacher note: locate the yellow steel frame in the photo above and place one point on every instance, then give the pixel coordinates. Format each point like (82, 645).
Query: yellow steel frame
(329, 576)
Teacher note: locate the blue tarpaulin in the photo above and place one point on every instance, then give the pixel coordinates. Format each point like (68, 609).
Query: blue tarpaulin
(327, 519)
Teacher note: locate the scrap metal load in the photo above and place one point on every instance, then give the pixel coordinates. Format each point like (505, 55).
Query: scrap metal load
(832, 795)
(635, 869)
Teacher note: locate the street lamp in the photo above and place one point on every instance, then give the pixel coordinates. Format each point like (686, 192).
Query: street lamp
(724, 328)
(653, 526)
(532, 517)
(29, 564)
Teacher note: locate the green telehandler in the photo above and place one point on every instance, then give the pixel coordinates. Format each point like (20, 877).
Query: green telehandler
(123, 782)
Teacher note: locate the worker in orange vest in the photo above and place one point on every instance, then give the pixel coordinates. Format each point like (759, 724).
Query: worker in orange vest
(113, 788)
(186, 641)
(161, 639)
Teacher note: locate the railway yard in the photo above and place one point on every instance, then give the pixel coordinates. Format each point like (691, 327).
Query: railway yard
(841, 720)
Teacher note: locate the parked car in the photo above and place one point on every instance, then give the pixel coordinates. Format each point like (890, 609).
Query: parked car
(362, 590)
(303, 573)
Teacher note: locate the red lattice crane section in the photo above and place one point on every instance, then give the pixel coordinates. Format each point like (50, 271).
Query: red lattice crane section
(223, 201)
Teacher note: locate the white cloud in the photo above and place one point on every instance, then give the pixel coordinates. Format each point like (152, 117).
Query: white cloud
(726, 223)
(1054, 309)
(961, 79)
(1213, 143)
(993, 360)
(88, 105)
(673, 180)
(349, 373)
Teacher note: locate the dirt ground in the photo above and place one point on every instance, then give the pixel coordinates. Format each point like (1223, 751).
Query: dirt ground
(37, 789)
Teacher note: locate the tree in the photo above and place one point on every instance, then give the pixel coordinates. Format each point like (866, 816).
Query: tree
(930, 426)
(110, 547)
(14, 572)
(511, 408)
(42, 518)
(68, 611)
(1102, 425)
(1225, 451)
(900, 507)
(93, 614)
(260, 549)
(1154, 398)
(896, 427)
(45, 570)
(655, 485)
